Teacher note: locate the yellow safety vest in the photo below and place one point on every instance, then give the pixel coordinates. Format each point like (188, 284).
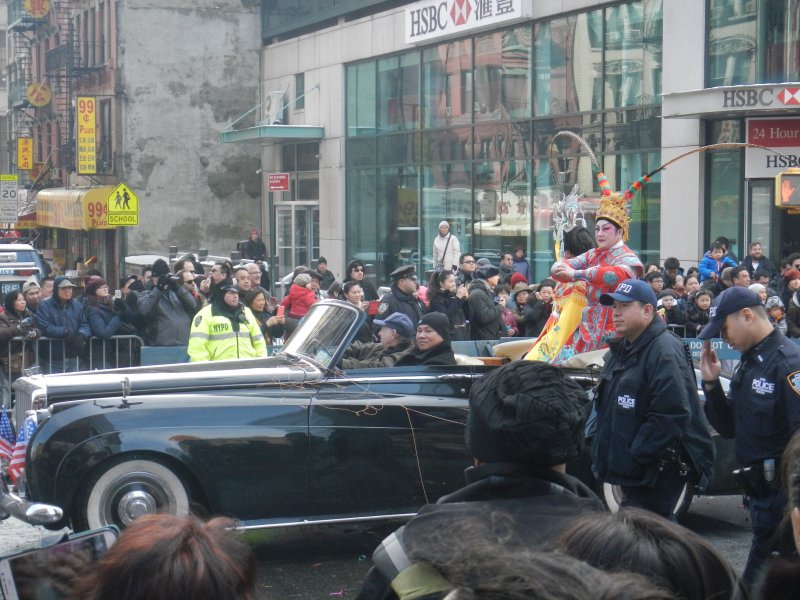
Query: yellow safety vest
(212, 337)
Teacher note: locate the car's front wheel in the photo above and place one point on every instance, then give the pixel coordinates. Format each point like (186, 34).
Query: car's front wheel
(612, 494)
(129, 489)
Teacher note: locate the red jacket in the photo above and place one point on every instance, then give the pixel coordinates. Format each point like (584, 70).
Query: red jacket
(299, 300)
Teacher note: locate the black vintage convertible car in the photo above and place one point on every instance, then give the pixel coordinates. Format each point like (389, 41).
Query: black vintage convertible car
(284, 440)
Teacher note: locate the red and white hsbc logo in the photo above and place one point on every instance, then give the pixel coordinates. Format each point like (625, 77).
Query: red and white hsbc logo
(432, 19)
(760, 97)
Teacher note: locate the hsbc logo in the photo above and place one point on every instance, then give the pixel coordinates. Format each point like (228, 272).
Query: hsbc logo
(789, 96)
(460, 12)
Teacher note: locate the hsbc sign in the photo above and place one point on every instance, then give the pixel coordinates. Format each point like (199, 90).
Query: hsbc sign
(433, 19)
(751, 97)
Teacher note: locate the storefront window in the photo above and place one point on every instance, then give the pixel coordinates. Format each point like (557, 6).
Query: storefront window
(446, 194)
(447, 89)
(502, 75)
(398, 92)
(724, 208)
(361, 99)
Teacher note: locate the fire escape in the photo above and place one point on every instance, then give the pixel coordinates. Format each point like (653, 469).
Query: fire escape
(65, 62)
(21, 26)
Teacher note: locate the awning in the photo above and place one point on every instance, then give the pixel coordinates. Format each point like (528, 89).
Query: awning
(274, 134)
(74, 208)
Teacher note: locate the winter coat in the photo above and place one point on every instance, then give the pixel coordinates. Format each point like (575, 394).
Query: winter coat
(446, 252)
(710, 267)
(647, 403)
(438, 355)
(536, 315)
(225, 334)
(255, 249)
(298, 301)
(485, 316)
(696, 319)
(397, 301)
(58, 319)
(370, 292)
(103, 321)
(9, 328)
(457, 310)
(169, 315)
(270, 332)
(327, 279)
(793, 316)
(764, 264)
(365, 355)
(522, 267)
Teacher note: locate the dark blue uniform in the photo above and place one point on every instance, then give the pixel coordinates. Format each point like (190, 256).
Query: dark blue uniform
(762, 411)
(397, 301)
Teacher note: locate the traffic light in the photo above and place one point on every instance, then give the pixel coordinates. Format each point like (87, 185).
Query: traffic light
(787, 189)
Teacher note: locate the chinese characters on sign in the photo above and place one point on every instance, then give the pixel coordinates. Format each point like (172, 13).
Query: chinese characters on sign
(87, 135)
(431, 19)
(38, 94)
(38, 9)
(24, 154)
(8, 198)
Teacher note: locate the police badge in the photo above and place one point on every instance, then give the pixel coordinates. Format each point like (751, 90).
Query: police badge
(197, 320)
(794, 381)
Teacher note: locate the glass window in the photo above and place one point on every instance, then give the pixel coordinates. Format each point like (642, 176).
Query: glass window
(447, 84)
(361, 151)
(633, 129)
(782, 45)
(567, 79)
(501, 75)
(361, 99)
(624, 56)
(447, 144)
(398, 92)
(300, 91)
(644, 231)
(446, 194)
(732, 42)
(724, 197)
(398, 224)
(725, 132)
(308, 156)
(362, 211)
(397, 149)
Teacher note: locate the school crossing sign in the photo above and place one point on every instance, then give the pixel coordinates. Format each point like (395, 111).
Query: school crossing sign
(123, 206)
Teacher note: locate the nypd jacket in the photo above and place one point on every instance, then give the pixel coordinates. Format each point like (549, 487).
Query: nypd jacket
(397, 301)
(762, 409)
(216, 335)
(647, 402)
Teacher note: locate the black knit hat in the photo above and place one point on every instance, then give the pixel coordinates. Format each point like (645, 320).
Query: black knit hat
(160, 267)
(438, 322)
(527, 412)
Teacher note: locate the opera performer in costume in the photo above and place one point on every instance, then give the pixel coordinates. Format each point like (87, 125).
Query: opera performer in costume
(600, 269)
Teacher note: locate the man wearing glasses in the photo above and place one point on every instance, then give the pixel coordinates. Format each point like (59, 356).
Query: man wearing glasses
(466, 269)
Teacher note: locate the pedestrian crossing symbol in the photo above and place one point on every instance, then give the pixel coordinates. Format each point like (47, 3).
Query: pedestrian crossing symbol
(123, 206)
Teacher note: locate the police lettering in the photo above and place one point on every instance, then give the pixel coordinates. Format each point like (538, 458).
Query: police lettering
(736, 98)
(762, 386)
(626, 402)
(428, 19)
(624, 287)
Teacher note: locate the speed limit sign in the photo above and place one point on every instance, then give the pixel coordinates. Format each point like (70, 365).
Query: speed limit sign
(8, 198)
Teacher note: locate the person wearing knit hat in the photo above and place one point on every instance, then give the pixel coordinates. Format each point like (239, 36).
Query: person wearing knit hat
(326, 275)
(432, 343)
(299, 300)
(254, 248)
(485, 310)
(105, 321)
(517, 278)
(446, 249)
(525, 422)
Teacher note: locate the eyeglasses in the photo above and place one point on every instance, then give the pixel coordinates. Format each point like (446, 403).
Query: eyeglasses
(188, 281)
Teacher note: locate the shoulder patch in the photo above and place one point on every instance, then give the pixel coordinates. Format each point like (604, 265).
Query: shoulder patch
(383, 307)
(794, 381)
(197, 320)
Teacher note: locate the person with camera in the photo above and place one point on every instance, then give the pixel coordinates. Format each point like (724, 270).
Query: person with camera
(16, 321)
(761, 410)
(62, 317)
(168, 308)
(225, 329)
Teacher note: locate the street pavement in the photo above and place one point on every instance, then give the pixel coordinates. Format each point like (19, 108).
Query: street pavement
(329, 562)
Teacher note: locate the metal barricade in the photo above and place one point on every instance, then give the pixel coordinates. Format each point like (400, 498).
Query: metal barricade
(51, 356)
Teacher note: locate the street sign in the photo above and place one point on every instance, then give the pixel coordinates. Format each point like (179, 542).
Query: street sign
(8, 198)
(278, 182)
(123, 206)
(86, 140)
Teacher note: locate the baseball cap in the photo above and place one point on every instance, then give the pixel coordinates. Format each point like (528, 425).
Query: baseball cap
(399, 322)
(728, 302)
(630, 290)
(30, 285)
(62, 282)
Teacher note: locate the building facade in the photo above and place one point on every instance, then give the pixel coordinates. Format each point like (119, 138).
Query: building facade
(448, 110)
(153, 84)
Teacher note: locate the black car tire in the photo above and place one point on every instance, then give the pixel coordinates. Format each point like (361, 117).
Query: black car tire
(612, 494)
(127, 489)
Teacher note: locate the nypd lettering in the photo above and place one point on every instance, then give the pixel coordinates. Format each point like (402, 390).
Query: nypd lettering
(626, 402)
(763, 387)
(625, 288)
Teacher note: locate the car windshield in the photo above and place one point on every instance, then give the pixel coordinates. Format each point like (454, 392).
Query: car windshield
(324, 332)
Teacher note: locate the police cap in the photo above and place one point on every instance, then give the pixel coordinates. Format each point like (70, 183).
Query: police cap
(406, 272)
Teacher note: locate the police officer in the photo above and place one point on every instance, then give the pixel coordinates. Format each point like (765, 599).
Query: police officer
(225, 329)
(650, 428)
(761, 410)
(401, 297)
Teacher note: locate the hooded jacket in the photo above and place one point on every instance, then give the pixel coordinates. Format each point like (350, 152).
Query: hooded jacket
(223, 333)
(299, 300)
(647, 403)
(57, 319)
(485, 317)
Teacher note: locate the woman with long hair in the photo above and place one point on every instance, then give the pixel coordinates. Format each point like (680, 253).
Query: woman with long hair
(351, 292)
(272, 326)
(15, 321)
(450, 299)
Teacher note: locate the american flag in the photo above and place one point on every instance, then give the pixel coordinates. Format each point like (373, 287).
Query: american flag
(17, 465)
(7, 438)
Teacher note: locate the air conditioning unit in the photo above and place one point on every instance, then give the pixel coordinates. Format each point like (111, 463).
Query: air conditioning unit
(273, 109)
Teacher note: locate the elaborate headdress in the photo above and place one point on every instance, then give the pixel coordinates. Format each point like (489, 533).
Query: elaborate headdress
(615, 206)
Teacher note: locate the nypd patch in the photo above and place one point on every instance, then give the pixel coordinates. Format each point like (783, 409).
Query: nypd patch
(626, 402)
(197, 320)
(794, 381)
(383, 307)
